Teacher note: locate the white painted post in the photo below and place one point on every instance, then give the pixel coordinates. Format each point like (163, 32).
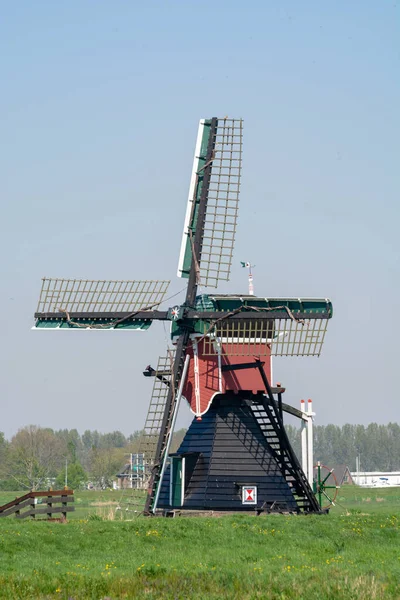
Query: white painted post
(196, 376)
(310, 443)
(218, 348)
(251, 285)
(272, 372)
(131, 471)
(304, 462)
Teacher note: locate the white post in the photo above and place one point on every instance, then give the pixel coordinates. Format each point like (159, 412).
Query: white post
(310, 443)
(251, 286)
(131, 456)
(218, 348)
(196, 376)
(304, 462)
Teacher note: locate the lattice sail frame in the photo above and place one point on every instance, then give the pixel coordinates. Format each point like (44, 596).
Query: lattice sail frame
(222, 204)
(275, 337)
(222, 201)
(87, 295)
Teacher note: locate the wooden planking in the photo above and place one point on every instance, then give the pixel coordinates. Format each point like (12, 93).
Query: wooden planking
(50, 498)
(16, 507)
(234, 452)
(31, 502)
(49, 510)
(32, 494)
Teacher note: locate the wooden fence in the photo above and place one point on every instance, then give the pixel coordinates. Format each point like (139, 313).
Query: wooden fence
(58, 502)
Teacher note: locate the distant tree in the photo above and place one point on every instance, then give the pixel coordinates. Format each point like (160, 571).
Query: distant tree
(294, 438)
(35, 455)
(377, 445)
(4, 448)
(135, 436)
(177, 439)
(72, 444)
(7, 483)
(90, 439)
(3, 451)
(76, 476)
(105, 463)
(116, 439)
(393, 431)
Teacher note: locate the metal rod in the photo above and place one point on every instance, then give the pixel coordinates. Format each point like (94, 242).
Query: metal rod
(159, 315)
(280, 406)
(171, 431)
(319, 484)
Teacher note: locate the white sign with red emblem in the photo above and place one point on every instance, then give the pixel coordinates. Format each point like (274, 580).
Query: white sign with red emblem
(249, 494)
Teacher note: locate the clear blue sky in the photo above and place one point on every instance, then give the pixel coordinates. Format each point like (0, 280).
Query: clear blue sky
(99, 107)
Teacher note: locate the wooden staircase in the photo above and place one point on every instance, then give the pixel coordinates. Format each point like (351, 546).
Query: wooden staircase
(270, 423)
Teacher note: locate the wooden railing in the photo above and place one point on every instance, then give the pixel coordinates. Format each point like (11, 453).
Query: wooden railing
(40, 503)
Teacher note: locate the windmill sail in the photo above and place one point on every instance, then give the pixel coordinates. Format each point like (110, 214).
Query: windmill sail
(74, 303)
(277, 327)
(223, 349)
(222, 202)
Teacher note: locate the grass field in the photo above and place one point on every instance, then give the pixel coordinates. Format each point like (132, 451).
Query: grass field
(352, 553)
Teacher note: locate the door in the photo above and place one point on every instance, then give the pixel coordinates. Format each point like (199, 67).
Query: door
(177, 479)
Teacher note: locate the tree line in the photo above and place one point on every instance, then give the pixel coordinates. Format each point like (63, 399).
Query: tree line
(378, 446)
(36, 455)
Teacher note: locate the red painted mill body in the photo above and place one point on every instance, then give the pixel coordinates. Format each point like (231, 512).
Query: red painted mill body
(206, 376)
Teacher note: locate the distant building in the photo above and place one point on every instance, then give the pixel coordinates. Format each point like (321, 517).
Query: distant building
(132, 475)
(125, 477)
(343, 475)
(376, 478)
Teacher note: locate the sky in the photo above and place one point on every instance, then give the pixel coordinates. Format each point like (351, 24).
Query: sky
(99, 108)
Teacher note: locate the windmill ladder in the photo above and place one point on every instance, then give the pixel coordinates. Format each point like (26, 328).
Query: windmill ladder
(155, 415)
(166, 426)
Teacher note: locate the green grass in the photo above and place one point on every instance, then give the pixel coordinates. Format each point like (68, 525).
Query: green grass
(352, 553)
(369, 500)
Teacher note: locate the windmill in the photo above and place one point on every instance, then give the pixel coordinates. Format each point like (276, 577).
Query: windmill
(236, 454)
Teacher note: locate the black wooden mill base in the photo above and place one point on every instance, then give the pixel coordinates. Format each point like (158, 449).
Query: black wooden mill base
(240, 442)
